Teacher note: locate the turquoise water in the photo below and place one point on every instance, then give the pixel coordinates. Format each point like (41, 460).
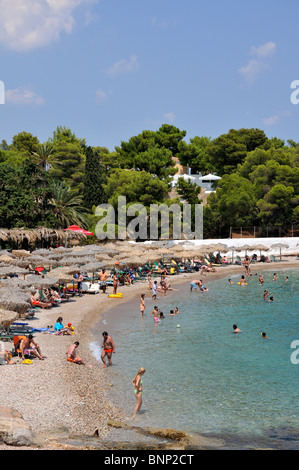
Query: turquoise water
(200, 377)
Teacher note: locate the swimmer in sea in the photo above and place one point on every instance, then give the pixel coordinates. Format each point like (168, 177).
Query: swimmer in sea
(275, 277)
(261, 279)
(176, 311)
(155, 314)
(266, 294)
(236, 329)
(230, 281)
(264, 336)
(243, 281)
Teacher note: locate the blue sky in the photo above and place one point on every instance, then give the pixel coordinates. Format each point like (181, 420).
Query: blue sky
(108, 69)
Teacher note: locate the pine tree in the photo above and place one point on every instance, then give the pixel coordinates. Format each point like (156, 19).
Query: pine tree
(94, 177)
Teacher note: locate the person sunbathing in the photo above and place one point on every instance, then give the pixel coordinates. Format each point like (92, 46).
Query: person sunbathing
(35, 302)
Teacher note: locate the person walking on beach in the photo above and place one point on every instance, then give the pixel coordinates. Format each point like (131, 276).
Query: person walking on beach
(80, 280)
(71, 355)
(142, 304)
(137, 384)
(108, 346)
(103, 280)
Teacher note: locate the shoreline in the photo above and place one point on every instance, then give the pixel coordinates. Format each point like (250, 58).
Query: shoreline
(57, 397)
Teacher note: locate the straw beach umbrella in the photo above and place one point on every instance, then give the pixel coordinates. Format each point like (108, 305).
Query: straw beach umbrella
(245, 248)
(261, 248)
(280, 246)
(15, 300)
(21, 253)
(41, 281)
(6, 270)
(6, 259)
(7, 317)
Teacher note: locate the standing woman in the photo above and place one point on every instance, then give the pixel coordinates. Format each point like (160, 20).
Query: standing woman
(115, 283)
(137, 384)
(142, 304)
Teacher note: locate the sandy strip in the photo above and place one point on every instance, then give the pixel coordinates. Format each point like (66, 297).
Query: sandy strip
(54, 394)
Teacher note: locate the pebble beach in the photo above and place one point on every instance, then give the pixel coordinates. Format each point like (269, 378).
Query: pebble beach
(54, 395)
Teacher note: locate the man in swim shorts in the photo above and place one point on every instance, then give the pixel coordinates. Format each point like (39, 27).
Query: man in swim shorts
(195, 284)
(71, 355)
(108, 346)
(103, 280)
(28, 346)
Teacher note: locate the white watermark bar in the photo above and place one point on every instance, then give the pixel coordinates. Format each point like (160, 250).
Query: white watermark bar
(295, 95)
(159, 222)
(2, 92)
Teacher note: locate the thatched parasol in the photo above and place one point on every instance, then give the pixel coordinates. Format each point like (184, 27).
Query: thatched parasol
(41, 281)
(73, 269)
(280, 246)
(15, 300)
(7, 317)
(261, 248)
(14, 283)
(6, 270)
(219, 247)
(21, 253)
(102, 257)
(6, 259)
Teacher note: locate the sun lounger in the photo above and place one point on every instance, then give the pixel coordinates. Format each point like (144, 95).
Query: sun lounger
(275, 260)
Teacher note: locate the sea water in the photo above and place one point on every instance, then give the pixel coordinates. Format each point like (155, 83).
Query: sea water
(200, 376)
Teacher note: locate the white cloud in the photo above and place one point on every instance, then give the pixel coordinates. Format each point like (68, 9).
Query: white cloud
(102, 96)
(163, 24)
(170, 117)
(265, 50)
(123, 66)
(29, 24)
(23, 96)
(270, 121)
(253, 69)
(258, 64)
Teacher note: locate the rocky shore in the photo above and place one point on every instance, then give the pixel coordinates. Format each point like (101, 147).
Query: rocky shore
(60, 401)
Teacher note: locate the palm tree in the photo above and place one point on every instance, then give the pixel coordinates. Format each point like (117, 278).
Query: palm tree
(67, 206)
(43, 155)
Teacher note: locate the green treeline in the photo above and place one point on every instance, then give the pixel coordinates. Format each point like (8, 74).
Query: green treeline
(62, 181)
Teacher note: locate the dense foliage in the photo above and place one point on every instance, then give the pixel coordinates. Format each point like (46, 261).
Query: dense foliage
(62, 181)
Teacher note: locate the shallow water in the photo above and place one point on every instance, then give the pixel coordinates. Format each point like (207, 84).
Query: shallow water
(202, 378)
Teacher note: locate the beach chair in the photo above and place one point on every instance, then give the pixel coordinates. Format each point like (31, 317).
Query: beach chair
(275, 260)
(238, 260)
(16, 341)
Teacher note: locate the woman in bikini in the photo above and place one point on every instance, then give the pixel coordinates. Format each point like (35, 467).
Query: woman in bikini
(137, 384)
(142, 304)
